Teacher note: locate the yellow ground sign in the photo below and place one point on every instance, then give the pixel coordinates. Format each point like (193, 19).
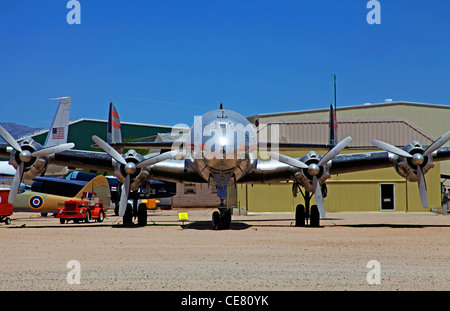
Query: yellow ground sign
(183, 216)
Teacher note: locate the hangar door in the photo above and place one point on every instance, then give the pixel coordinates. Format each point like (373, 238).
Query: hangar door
(387, 197)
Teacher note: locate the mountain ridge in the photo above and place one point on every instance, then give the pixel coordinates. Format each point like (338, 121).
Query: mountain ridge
(17, 130)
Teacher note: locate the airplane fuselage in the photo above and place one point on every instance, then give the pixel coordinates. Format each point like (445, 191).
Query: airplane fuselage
(222, 143)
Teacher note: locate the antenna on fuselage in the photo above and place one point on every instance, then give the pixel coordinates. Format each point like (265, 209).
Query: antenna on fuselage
(221, 105)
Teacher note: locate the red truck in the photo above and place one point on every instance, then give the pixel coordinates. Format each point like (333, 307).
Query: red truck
(81, 210)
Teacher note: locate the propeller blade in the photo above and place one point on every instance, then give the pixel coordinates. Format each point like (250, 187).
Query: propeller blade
(287, 160)
(422, 187)
(9, 139)
(390, 148)
(336, 149)
(319, 196)
(109, 150)
(438, 143)
(124, 196)
(16, 183)
(159, 158)
(52, 150)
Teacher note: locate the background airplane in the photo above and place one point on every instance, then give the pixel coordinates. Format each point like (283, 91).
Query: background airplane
(7, 172)
(210, 153)
(32, 201)
(27, 149)
(74, 181)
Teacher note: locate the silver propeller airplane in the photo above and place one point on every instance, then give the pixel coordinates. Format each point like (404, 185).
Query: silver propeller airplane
(221, 149)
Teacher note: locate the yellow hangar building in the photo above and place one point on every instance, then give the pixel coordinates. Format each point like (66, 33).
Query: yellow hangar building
(397, 123)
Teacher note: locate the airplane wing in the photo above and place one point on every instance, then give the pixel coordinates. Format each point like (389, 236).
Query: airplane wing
(347, 163)
(442, 154)
(139, 145)
(289, 146)
(81, 159)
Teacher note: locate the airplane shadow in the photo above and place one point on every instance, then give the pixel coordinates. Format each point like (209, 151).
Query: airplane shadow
(206, 225)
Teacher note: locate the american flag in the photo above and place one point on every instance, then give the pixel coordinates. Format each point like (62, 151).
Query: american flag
(58, 133)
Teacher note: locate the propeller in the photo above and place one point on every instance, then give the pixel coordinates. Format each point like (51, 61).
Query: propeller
(438, 143)
(287, 160)
(130, 167)
(390, 148)
(417, 159)
(15, 183)
(26, 156)
(314, 169)
(422, 187)
(324, 160)
(159, 158)
(51, 150)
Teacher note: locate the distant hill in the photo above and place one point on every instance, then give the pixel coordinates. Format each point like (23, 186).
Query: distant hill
(17, 130)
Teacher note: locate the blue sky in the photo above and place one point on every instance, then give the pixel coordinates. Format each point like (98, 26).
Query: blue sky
(162, 62)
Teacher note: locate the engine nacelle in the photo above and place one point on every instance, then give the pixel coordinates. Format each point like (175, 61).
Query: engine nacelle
(33, 166)
(305, 176)
(137, 175)
(407, 167)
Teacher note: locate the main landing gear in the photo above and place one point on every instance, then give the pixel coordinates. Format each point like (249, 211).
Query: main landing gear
(135, 210)
(303, 213)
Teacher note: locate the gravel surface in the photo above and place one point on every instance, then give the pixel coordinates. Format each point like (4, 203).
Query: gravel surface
(259, 252)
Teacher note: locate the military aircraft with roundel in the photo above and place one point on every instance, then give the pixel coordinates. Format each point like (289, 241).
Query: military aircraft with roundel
(39, 202)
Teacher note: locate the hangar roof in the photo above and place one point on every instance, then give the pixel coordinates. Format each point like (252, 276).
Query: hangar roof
(397, 132)
(428, 119)
(81, 131)
(367, 106)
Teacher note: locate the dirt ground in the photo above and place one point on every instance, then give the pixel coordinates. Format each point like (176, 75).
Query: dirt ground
(259, 252)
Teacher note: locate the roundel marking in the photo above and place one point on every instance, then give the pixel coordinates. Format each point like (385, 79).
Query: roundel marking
(36, 201)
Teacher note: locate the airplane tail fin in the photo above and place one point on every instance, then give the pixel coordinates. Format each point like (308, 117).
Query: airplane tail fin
(60, 127)
(100, 186)
(114, 132)
(333, 125)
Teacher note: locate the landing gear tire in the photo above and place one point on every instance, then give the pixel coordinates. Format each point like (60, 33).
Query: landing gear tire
(128, 217)
(226, 219)
(216, 220)
(142, 214)
(300, 216)
(315, 216)
(221, 220)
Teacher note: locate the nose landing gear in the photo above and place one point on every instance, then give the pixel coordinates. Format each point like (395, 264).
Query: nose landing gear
(221, 220)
